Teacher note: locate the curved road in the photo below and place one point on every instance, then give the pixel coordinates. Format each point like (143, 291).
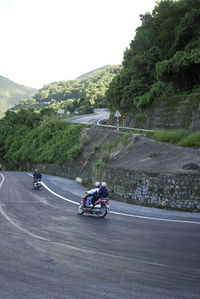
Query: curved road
(91, 119)
(48, 251)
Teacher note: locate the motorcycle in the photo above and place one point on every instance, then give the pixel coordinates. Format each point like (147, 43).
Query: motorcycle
(37, 184)
(100, 207)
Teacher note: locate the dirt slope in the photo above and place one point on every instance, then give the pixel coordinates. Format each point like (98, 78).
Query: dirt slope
(144, 154)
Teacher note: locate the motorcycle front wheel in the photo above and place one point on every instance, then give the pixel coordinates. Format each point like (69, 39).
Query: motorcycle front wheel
(80, 209)
(103, 211)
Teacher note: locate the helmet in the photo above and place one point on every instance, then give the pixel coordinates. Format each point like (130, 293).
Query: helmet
(97, 184)
(103, 184)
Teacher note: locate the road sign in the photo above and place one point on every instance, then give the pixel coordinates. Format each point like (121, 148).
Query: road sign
(117, 114)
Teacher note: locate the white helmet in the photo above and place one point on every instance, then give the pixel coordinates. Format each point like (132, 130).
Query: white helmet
(103, 184)
(97, 184)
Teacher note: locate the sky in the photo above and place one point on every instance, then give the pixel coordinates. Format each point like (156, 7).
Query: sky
(43, 41)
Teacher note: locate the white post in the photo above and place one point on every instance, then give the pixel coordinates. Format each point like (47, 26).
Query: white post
(117, 124)
(117, 114)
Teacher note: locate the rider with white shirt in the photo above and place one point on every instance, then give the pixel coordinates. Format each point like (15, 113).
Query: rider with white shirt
(94, 191)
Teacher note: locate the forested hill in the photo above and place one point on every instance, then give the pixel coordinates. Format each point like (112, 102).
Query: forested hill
(163, 59)
(80, 95)
(96, 71)
(11, 93)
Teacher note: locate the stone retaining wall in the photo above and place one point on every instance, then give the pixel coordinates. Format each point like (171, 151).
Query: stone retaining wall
(172, 191)
(180, 191)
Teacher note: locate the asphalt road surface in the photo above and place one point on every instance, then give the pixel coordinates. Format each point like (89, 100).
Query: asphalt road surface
(92, 119)
(48, 251)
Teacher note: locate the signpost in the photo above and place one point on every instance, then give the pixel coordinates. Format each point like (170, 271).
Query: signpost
(117, 114)
(123, 119)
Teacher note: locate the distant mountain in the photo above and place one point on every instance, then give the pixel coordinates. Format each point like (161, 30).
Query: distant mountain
(88, 89)
(11, 93)
(94, 72)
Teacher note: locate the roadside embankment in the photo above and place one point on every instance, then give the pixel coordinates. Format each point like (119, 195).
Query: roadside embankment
(172, 113)
(136, 169)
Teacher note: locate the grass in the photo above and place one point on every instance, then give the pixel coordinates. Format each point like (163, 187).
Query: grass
(191, 140)
(125, 138)
(180, 137)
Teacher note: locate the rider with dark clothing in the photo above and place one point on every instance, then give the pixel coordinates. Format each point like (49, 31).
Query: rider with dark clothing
(103, 193)
(37, 175)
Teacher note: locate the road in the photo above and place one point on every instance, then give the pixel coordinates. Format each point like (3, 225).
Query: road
(91, 119)
(98, 117)
(49, 251)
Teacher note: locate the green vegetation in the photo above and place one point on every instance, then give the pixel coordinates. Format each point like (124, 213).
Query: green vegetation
(191, 140)
(27, 137)
(163, 59)
(126, 137)
(180, 137)
(169, 136)
(11, 93)
(79, 96)
(99, 163)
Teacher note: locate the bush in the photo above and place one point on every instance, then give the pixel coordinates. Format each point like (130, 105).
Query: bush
(74, 152)
(84, 139)
(191, 140)
(169, 136)
(36, 141)
(99, 163)
(106, 157)
(126, 137)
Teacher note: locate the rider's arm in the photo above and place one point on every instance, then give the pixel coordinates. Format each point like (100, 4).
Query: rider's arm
(92, 191)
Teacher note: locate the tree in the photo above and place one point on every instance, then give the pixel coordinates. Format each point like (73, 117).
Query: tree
(163, 53)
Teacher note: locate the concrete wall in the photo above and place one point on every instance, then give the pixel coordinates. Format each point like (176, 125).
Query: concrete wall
(181, 112)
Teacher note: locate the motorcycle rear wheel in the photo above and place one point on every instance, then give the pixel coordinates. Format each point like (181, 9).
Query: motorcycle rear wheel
(80, 209)
(103, 211)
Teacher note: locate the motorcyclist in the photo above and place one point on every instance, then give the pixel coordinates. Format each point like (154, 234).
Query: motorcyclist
(93, 192)
(102, 193)
(37, 175)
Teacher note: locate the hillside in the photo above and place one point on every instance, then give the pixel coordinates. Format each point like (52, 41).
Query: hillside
(11, 93)
(94, 72)
(80, 95)
(137, 169)
(163, 60)
(90, 87)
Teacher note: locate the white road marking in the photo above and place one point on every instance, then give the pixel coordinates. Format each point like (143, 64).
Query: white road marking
(124, 214)
(2, 180)
(113, 212)
(153, 218)
(14, 223)
(82, 249)
(62, 197)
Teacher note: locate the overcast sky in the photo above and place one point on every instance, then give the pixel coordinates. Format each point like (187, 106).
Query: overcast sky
(43, 41)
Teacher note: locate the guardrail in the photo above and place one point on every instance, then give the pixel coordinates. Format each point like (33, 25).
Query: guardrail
(98, 123)
(122, 127)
